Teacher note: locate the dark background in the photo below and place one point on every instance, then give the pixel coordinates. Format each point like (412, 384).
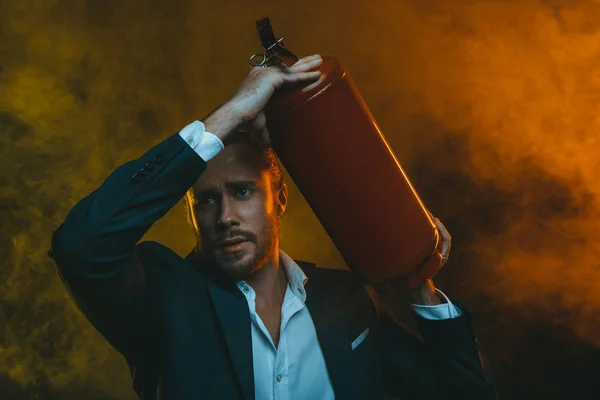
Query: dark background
(489, 105)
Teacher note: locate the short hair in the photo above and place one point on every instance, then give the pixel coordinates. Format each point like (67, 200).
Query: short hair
(268, 160)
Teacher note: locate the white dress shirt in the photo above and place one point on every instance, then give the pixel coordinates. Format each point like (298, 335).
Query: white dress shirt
(295, 369)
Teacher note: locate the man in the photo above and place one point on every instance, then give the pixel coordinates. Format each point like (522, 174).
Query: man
(237, 318)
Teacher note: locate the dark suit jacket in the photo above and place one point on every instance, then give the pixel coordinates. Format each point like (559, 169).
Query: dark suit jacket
(185, 330)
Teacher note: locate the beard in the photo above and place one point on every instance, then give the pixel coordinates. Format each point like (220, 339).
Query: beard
(254, 254)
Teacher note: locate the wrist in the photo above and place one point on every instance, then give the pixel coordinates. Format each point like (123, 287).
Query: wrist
(425, 294)
(223, 121)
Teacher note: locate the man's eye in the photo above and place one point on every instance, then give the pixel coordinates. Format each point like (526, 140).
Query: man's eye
(245, 192)
(206, 200)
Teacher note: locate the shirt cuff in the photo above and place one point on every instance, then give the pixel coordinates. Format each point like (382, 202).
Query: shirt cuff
(437, 312)
(204, 143)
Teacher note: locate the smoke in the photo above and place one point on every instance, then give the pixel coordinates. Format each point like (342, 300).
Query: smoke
(489, 105)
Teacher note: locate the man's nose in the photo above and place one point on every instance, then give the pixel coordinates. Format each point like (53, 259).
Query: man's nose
(228, 213)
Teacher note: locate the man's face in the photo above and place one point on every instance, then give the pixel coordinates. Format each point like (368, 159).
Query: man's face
(235, 212)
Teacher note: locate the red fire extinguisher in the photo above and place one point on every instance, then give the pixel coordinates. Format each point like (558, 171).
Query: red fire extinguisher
(330, 144)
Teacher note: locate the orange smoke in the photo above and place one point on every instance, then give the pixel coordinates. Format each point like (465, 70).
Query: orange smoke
(490, 106)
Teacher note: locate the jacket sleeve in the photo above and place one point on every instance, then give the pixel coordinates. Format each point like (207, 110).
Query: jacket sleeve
(444, 363)
(95, 249)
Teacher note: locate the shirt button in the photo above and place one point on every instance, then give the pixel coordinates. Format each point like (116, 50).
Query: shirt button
(245, 290)
(279, 377)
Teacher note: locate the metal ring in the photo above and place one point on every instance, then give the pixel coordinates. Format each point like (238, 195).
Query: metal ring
(258, 64)
(444, 258)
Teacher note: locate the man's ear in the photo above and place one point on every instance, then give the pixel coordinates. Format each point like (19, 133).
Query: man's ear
(282, 197)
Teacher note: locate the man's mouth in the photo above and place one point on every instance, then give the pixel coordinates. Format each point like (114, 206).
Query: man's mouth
(232, 245)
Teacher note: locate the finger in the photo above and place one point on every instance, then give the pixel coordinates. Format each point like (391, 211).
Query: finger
(301, 77)
(303, 64)
(442, 229)
(306, 59)
(265, 137)
(445, 239)
(307, 65)
(259, 127)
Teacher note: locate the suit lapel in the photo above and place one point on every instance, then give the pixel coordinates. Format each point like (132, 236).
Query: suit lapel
(234, 317)
(331, 327)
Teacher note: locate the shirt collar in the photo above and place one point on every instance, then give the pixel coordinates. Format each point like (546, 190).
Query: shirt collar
(296, 277)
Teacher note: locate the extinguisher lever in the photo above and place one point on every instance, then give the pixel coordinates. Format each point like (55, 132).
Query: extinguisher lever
(266, 34)
(274, 47)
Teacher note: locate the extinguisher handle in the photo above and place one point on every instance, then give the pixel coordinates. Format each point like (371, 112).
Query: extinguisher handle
(273, 47)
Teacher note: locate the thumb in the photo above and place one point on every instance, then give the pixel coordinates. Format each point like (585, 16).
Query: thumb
(265, 136)
(259, 126)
